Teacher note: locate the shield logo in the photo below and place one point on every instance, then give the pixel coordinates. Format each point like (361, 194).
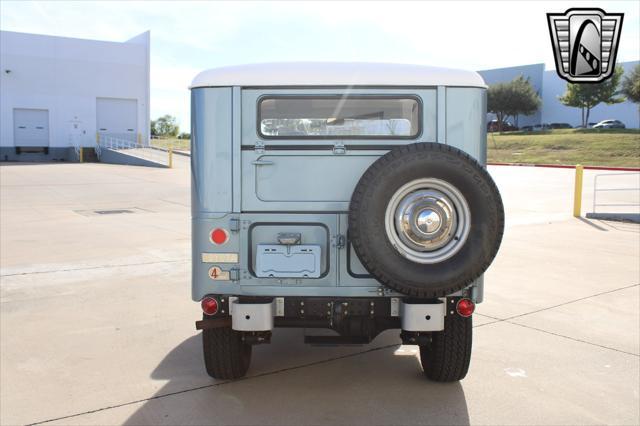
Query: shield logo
(585, 43)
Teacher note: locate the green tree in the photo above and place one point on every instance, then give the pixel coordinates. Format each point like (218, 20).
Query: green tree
(586, 96)
(165, 126)
(631, 85)
(512, 99)
(154, 132)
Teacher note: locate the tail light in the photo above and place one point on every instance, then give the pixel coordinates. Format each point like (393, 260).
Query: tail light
(465, 307)
(209, 305)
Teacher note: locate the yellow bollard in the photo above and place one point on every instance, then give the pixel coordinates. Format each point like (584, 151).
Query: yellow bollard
(171, 158)
(577, 193)
(81, 154)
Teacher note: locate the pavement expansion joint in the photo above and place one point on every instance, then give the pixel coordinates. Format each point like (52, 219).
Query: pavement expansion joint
(156, 262)
(213, 385)
(197, 388)
(554, 306)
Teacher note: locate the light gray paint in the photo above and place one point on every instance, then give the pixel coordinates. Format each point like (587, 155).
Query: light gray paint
(466, 129)
(211, 151)
(302, 180)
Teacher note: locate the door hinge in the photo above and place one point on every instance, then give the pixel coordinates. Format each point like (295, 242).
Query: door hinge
(234, 274)
(341, 241)
(259, 147)
(234, 224)
(339, 148)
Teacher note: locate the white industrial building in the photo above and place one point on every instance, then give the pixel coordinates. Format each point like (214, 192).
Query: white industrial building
(550, 86)
(59, 93)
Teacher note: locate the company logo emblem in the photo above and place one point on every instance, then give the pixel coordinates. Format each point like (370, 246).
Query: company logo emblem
(585, 43)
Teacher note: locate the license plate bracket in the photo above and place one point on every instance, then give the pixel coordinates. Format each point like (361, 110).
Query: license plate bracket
(288, 261)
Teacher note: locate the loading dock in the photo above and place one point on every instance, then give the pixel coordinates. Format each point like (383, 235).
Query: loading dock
(31, 129)
(117, 118)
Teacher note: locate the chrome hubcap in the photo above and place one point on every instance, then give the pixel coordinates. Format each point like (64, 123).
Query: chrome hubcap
(427, 220)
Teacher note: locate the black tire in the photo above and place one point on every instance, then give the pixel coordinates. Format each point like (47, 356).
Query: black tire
(226, 356)
(446, 358)
(367, 219)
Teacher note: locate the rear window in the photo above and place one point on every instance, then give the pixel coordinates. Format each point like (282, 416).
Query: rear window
(336, 117)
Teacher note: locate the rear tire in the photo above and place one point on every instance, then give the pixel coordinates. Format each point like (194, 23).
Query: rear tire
(446, 358)
(226, 356)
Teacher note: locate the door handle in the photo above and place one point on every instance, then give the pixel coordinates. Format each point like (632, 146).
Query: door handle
(262, 162)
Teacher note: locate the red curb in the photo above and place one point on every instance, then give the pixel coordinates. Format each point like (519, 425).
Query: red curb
(567, 166)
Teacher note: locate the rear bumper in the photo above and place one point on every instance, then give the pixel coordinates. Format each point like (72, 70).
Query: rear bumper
(355, 319)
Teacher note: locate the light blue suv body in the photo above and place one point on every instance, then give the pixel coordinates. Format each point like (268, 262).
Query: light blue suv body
(257, 187)
(351, 197)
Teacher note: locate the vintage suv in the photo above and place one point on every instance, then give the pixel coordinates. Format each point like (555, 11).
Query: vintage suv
(345, 196)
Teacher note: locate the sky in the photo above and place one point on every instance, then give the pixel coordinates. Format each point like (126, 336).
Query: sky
(188, 37)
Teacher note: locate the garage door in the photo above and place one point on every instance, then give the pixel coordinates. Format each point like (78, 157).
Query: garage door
(117, 117)
(31, 127)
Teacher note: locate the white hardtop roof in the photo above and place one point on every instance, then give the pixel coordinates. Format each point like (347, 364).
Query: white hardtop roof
(335, 74)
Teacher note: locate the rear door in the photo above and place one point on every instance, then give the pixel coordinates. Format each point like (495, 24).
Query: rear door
(305, 150)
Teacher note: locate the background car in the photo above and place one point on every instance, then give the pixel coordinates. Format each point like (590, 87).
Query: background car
(536, 127)
(589, 126)
(507, 126)
(560, 126)
(610, 124)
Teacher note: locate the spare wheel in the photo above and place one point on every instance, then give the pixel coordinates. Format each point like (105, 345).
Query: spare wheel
(426, 219)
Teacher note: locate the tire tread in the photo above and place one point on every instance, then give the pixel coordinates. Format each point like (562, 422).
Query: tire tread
(226, 356)
(447, 357)
(367, 180)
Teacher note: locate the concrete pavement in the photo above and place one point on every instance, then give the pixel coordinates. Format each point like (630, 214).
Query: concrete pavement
(97, 322)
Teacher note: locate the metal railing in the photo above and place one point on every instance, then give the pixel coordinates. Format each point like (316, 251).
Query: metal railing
(597, 190)
(622, 200)
(133, 148)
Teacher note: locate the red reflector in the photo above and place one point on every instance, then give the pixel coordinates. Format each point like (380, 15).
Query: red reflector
(209, 306)
(219, 236)
(465, 307)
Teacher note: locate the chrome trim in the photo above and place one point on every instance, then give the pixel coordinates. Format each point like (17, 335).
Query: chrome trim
(427, 220)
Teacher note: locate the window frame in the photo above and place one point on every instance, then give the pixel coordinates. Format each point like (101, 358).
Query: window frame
(416, 98)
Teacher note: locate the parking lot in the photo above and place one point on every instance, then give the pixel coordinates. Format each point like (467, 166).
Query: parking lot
(97, 322)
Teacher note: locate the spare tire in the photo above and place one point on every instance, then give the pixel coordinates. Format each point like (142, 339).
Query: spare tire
(426, 220)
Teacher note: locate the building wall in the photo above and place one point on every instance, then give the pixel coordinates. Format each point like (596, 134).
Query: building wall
(550, 86)
(65, 76)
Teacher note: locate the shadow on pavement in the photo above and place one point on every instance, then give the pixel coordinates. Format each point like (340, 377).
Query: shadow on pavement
(591, 223)
(290, 383)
